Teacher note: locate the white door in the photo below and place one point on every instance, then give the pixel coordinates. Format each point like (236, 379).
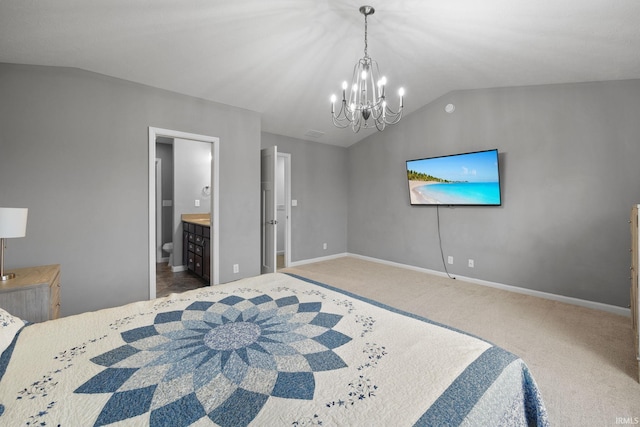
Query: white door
(269, 209)
(635, 273)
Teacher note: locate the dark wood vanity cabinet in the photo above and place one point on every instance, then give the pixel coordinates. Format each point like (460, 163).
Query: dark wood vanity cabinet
(206, 253)
(196, 251)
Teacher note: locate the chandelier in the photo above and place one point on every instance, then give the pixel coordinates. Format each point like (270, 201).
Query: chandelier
(366, 104)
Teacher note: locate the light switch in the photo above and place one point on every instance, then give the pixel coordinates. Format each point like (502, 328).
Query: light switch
(197, 202)
(294, 202)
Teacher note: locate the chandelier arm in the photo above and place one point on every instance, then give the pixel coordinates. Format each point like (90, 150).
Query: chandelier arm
(392, 112)
(341, 120)
(357, 81)
(341, 125)
(377, 112)
(358, 121)
(370, 94)
(392, 119)
(355, 126)
(375, 79)
(352, 93)
(396, 120)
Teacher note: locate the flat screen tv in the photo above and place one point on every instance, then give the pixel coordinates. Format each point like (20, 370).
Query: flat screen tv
(467, 179)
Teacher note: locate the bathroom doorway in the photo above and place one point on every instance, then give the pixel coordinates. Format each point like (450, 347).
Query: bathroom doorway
(211, 199)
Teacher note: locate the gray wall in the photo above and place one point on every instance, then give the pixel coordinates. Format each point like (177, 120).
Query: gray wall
(319, 184)
(74, 150)
(569, 167)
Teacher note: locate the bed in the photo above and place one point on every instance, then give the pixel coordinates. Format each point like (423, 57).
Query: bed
(273, 350)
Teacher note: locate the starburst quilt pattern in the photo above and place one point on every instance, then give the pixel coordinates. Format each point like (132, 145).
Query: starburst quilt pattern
(222, 360)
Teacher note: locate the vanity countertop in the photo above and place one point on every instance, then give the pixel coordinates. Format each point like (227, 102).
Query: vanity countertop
(203, 219)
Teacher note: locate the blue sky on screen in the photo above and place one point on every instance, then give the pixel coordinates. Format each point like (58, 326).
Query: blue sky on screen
(472, 167)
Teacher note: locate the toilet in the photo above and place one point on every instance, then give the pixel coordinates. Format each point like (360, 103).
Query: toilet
(168, 247)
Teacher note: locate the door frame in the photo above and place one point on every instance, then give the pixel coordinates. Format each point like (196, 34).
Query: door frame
(154, 133)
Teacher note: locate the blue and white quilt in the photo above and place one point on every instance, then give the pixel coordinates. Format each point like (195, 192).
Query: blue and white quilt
(273, 350)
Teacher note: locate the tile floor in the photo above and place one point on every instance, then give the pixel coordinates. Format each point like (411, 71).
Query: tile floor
(168, 282)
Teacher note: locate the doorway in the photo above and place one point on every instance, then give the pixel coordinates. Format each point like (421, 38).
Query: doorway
(154, 134)
(275, 210)
(283, 203)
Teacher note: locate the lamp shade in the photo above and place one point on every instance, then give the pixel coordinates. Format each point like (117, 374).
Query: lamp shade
(13, 222)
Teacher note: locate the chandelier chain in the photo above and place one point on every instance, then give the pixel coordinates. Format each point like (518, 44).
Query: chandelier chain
(365, 36)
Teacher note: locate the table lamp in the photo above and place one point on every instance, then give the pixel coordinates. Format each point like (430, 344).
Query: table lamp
(13, 223)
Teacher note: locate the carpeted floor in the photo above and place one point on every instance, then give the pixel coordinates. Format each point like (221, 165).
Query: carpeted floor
(582, 359)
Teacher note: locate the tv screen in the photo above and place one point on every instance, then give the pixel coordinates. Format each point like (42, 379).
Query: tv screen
(468, 179)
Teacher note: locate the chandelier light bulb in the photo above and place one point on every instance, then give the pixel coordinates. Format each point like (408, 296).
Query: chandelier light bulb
(364, 74)
(401, 91)
(333, 99)
(344, 85)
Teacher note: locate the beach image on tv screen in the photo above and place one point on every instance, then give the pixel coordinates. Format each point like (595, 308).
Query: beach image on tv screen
(463, 179)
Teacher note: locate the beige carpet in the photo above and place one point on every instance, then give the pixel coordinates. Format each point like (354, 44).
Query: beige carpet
(582, 359)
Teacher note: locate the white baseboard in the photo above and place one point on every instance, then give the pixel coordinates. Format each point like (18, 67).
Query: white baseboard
(312, 260)
(546, 295)
(178, 268)
(174, 268)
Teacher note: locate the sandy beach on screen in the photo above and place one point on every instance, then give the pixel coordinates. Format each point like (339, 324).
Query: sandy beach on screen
(416, 197)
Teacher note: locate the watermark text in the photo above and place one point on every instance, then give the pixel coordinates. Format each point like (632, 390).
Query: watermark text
(630, 421)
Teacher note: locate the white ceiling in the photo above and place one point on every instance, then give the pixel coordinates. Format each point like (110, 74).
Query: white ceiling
(284, 58)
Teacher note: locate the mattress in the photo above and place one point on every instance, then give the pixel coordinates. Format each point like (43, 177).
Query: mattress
(271, 350)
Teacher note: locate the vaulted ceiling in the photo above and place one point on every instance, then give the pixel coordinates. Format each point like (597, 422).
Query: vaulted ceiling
(284, 58)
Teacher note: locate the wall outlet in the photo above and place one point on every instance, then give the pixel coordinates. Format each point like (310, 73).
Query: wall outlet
(197, 203)
(471, 263)
(236, 268)
(450, 259)
(324, 246)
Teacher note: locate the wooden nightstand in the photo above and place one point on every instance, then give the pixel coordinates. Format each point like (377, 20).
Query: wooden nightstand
(34, 294)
